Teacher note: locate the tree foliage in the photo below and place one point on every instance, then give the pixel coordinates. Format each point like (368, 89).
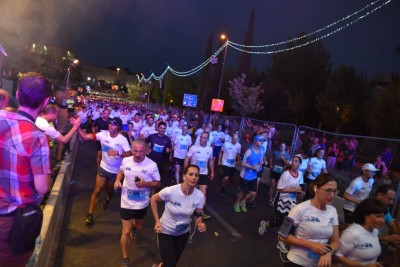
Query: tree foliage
(343, 100)
(245, 100)
(245, 58)
(385, 113)
(303, 72)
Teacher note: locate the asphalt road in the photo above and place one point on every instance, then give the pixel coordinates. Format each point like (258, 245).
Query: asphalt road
(231, 239)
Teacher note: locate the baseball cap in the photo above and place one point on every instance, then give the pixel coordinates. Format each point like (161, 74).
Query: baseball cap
(116, 121)
(259, 138)
(369, 167)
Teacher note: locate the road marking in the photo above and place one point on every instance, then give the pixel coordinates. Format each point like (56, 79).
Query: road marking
(223, 222)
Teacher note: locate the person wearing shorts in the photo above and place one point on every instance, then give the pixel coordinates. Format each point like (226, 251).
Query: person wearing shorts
(139, 174)
(278, 162)
(228, 156)
(181, 146)
(251, 165)
(114, 148)
(101, 125)
(202, 156)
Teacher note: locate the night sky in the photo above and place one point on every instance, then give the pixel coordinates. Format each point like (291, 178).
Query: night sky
(145, 35)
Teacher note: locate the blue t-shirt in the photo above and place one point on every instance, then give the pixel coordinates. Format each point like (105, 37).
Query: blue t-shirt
(158, 145)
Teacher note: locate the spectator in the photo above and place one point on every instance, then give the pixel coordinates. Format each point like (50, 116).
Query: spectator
(24, 165)
(387, 157)
(333, 152)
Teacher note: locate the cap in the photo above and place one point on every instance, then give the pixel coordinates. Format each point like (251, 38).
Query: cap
(259, 138)
(369, 167)
(116, 121)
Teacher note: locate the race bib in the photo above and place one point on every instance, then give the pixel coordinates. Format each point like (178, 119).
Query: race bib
(202, 164)
(105, 148)
(183, 147)
(158, 148)
(277, 169)
(136, 194)
(230, 161)
(181, 227)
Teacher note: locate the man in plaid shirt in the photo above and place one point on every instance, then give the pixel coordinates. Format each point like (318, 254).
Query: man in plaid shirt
(24, 160)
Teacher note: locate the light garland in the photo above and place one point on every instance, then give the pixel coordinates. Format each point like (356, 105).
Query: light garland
(240, 47)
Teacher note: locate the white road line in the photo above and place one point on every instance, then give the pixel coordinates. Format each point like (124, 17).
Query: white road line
(224, 223)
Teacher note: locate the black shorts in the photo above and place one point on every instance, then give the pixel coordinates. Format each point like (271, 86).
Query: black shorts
(246, 185)
(203, 179)
(228, 171)
(178, 161)
(98, 145)
(108, 175)
(128, 214)
(275, 175)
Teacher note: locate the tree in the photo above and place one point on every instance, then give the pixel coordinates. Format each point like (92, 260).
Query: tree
(386, 112)
(276, 97)
(303, 72)
(342, 102)
(245, 100)
(245, 58)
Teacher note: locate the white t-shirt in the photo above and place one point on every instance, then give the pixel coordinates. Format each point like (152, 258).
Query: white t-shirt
(230, 152)
(359, 190)
(200, 156)
(124, 118)
(45, 127)
(148, 130)
(175, 131)
(95, 115)
(181, 146)
(288, 181)
(120, 143)
(83, 115)
(137, 126)
(313, 225)
(209, 142)
(359, 245)
(178, 209)
(133, 197)
(316, 165)
(218, 137)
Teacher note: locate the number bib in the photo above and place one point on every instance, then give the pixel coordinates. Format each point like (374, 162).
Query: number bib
(201, 164)
(230, 161)
(158, 149)
(181, 227)
(136, 194)
(183, 147)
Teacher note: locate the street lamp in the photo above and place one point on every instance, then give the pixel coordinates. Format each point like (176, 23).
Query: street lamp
(71, 64)
(223, 37)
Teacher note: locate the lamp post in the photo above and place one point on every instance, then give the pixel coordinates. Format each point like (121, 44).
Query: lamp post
(223, 37)
(71, 64)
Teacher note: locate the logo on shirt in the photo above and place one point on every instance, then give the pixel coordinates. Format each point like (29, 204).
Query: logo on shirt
(127, 168)
(331, 220)
(366, 245)
(313, 219)
(144, 171)
(176, 203)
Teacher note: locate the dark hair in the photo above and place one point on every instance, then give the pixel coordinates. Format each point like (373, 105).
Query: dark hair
(299, 158)
(367, 207)
(318, 150)
(384, 189)
(50, 108)
(320, 181)
(190, 166)
(33, 89)
(162, 123)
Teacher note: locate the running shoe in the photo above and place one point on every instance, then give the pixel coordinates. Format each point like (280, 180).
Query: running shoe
(206, 216)
(89, 219)
(251, 205)
(271, 203)
(62, 163)
(282, 247)
(106, 204)
(243, 207)
(263, 228)
(236, 207)
(125, 262)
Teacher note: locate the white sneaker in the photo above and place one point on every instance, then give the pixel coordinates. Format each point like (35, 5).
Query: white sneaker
(282, 247)
(63, 163)
(263, 228)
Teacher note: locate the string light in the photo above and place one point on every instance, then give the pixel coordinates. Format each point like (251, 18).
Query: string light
(311, 41)
(242, 48)
(309, 34)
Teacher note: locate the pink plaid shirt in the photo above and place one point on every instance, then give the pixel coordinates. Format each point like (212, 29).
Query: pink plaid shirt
(24, 152)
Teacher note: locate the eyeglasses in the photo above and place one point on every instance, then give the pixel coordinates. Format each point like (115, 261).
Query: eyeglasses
(329, 191)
